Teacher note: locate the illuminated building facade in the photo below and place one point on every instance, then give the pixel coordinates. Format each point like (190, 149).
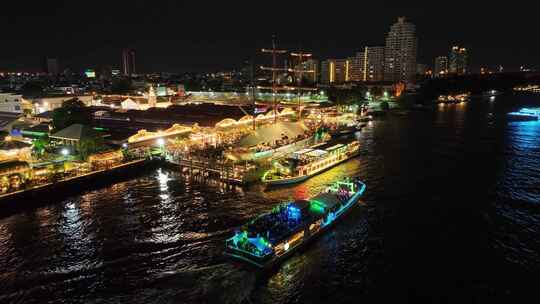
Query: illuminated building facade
(400, 52)
(441, 66)
(373, 63)
(336, 71)
(458, 61)
(309, 65)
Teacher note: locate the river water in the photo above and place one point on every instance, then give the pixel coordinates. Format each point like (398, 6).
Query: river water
(450, 215)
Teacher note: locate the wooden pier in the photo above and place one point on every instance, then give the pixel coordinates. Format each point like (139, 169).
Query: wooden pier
(202, 169)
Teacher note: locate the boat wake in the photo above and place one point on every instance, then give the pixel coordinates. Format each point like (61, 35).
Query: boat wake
(222, 284)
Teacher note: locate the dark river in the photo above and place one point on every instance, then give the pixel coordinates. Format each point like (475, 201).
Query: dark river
(451, 215)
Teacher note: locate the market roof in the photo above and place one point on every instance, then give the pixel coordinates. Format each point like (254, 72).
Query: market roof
(7, 118)
(7, 145)
(46, 115)
(74, 132)
(271, 133)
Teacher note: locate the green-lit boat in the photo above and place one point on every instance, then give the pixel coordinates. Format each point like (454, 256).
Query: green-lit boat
(272, 237)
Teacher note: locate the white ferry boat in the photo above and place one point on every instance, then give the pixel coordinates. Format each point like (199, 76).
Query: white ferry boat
(306, 163)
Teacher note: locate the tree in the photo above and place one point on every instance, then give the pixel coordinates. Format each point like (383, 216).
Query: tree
(39, 145)
(73, 111)
(121, 86)
(32, 88)
(89, 145)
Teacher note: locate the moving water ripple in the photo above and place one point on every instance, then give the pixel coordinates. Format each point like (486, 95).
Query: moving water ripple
(451, 214)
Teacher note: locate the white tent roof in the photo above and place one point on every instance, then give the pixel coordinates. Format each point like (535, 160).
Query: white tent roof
(271, 133)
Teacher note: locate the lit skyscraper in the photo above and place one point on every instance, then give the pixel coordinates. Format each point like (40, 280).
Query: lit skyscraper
(400, 52)
(458, 60)
(128, 62)
(441, 66)
(335, 71)
(373, 63)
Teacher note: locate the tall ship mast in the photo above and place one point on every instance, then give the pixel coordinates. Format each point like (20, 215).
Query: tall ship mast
(297, 72)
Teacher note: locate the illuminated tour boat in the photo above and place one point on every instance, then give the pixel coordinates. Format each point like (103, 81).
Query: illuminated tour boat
(272, 237)
(449, 99)
(525, 114)
(306, 163)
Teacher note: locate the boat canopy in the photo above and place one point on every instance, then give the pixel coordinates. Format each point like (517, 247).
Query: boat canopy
(304, 151)
(316, 153)
(335, 147)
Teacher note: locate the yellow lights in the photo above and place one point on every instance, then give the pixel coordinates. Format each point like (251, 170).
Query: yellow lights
(366, 50)
(332, 71)
(347, 62)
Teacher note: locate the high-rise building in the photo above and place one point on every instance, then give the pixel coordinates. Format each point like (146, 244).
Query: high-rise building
(441, 66)
(400, 52)
(128, 62)
(50, 66)
(422, 69)
(373, 63)
(458, 60)
(312, 68)
(356, 67)
(335, 71)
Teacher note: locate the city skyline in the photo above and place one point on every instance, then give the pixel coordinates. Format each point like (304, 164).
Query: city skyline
(168, 38)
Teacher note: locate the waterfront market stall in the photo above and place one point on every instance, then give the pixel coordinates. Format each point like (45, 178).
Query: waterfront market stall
(13, 174)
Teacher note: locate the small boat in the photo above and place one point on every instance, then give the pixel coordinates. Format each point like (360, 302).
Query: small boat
(525, 114)
(271, 238)
(453, 99)
(306, 163)
(491, 93)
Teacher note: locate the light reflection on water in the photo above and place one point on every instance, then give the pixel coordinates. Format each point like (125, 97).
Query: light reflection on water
(117, 243)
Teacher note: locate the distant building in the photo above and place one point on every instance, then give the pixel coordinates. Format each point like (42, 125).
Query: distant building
(40, 105)
(372, 63)
(356, 67)
(441, 66)
(458, 61)
(422, 69)
(335, 71)
(400, 52)
(311, 65)
(128, 62)
(50, 66)
(11, 103)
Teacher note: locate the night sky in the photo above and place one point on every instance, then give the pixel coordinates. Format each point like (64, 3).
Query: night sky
(178, 36)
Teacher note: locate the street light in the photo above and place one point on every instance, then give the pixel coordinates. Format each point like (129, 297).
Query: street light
(65, 152)
(160, 141)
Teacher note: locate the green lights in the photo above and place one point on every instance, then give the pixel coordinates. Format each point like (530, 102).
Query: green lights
(317, 206)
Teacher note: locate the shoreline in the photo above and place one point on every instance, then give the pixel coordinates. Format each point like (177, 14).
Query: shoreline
(24, 199)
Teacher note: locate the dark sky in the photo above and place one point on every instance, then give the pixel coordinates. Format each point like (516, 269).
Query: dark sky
(179, 36)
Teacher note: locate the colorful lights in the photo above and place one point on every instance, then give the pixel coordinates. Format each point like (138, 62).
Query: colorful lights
(273, 236)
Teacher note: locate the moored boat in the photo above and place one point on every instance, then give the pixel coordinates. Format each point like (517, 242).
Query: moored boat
(525, 114)
(306, 163)
(272, 237)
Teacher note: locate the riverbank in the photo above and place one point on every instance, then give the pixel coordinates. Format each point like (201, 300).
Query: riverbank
(31, 197)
